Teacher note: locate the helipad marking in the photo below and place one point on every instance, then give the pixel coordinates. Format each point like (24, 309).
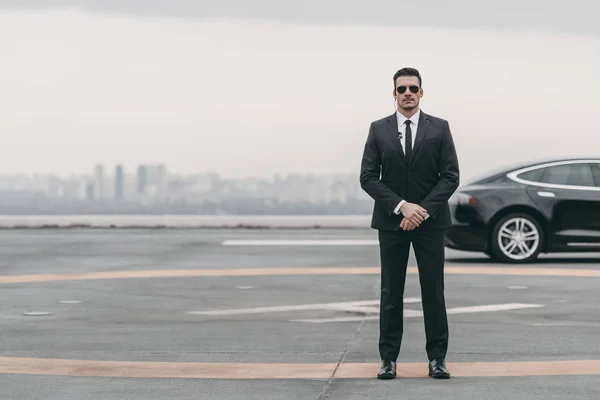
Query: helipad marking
(207, 370)
(302, 242)
(174, 273)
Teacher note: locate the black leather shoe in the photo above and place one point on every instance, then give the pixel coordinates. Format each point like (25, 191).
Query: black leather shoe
(388, 370)
(438, 370)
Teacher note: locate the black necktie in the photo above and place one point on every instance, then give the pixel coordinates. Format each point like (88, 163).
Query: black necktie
(408, 146)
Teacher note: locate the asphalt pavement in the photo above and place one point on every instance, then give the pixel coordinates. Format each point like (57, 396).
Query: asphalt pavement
(278, 314)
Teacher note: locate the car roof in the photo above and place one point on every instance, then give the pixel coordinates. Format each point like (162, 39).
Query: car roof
(500, 172)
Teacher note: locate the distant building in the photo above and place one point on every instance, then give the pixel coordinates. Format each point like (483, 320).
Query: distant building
(75, 189)
(99, 180)
(119, 183)
(142, 179)
(54, 187)
(89, 191)
(152, 180)
(157, 180)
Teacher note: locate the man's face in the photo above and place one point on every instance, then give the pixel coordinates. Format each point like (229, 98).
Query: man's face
(404, 92)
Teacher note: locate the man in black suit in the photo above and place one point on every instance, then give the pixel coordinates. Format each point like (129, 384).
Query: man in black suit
(410, 168)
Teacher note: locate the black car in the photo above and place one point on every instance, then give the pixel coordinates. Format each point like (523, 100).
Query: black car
(514, 215)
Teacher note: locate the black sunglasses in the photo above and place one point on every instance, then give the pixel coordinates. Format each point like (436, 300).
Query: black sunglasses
(402, 89)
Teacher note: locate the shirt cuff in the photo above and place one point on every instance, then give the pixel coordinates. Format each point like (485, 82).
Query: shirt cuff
(397, 209)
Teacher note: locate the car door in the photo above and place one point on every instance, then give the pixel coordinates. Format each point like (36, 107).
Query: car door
(567, 193)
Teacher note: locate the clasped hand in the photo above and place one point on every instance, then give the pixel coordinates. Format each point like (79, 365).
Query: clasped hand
(414, 215)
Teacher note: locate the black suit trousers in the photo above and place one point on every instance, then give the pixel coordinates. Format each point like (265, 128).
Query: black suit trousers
(429, 249)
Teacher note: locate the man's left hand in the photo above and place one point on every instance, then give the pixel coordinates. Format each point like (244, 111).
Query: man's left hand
(407, 225)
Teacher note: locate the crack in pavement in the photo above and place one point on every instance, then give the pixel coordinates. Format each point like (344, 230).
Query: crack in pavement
(324, 392)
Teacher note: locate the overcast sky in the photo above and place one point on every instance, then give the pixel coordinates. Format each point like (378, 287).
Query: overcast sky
(253, 88)
(574, 16)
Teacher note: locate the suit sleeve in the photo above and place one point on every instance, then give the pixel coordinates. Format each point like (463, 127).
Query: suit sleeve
(369, 175)
(449, 175)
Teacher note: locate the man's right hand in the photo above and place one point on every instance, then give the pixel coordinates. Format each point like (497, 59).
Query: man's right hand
(413, 212)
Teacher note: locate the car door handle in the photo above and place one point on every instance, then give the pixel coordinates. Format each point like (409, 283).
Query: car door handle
(546, 194)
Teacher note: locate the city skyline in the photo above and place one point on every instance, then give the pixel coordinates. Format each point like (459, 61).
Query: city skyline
(132, 168)
(151, 189)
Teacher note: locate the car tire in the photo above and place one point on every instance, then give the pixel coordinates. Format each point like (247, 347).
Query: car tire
(517, 238)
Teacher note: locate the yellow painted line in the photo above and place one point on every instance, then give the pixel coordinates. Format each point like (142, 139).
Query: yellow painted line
(481, 369)
(450, 270)
(134, 369)
(208, 370)
(186, 273)
(523, 271)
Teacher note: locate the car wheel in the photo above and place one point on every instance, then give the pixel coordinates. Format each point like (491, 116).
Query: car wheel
(517, 238)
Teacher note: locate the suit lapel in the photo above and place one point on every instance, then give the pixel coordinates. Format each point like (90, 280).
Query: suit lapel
(392, 122)
(421, 134)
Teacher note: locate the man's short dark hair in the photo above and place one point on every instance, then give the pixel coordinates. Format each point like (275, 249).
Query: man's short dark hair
(408, 72)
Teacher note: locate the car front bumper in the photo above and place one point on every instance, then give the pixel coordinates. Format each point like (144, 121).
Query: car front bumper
(468, 232)
(466, 237)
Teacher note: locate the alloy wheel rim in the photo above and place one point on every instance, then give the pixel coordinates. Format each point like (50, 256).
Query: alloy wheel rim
(518, 238)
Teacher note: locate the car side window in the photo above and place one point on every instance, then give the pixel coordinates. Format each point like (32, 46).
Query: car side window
(569, 174)
(596, 173)
(533, 175)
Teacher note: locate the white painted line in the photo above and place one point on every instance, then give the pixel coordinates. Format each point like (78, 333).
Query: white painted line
(340, 319)
(409, 300)
(407, 313)
(419, 313)
(350, 306)
(362, 310)
(302, 242)
(362, 307)
(259, 310)
(493, 307)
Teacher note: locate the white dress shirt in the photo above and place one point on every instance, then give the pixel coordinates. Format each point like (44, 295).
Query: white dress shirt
(414, 124)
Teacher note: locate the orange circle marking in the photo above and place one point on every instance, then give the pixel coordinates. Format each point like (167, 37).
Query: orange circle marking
(208, 370)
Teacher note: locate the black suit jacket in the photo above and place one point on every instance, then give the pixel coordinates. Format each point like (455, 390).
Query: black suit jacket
(429, 178)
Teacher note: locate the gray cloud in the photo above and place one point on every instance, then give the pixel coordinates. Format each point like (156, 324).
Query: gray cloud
(574, 16)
